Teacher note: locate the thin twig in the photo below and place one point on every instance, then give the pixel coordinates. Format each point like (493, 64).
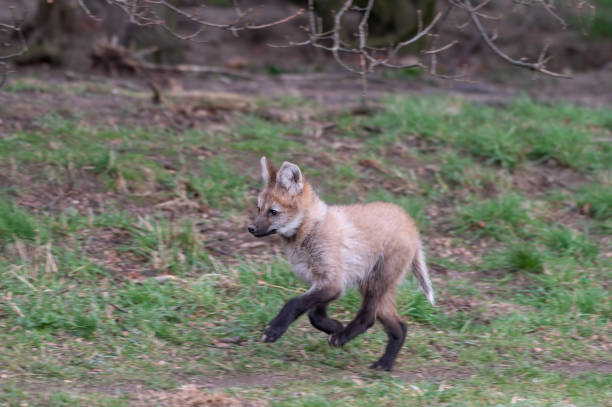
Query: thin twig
(551, 10)
(343, 51)
(412, 40)
(16, 28)
(293, 290)
(438, 50)
(16, 308)
(539, 67)
(230, 27)
(87, 11)
(13, 271)
(118, 308)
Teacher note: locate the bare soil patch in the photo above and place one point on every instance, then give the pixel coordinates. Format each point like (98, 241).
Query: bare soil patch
(537, 180)
(190, 395)
(434, 373)
(575, 368)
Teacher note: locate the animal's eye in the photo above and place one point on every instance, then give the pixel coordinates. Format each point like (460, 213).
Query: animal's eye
(272, 212)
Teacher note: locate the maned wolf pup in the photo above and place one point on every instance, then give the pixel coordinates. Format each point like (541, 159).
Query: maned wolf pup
(335, 247)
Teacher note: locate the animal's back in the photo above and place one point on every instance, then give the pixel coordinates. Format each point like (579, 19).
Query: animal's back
(372, 233)
(382, 224)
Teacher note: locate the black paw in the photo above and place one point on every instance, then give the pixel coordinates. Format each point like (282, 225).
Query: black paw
(335, 327)
(382, 364)
(338, 339)
(271, 334)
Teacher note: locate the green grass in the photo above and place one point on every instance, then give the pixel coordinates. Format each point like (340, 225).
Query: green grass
(520, 257)
(138, 172)
(463, 175)
(220, 185)
(567, 242)
(27, 85)
(597, 200)
(176, 313)
(265, 137)
(15, 223)
(600, 25)
(498, 218)
(82, 324)
(520, 132)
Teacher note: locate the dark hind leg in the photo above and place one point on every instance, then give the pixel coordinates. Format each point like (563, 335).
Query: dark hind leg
(395, 329)
(320, 320)
(363, 320)
(379, 302)
(372, 289)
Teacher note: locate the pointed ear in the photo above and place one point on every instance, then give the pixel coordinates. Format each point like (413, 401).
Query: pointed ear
(268, 171)
(290, 178)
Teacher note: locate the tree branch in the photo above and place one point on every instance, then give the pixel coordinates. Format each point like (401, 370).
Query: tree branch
(14, 28)
(538, 66)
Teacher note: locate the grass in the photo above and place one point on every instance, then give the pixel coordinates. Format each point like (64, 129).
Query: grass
(265, 137)
(140, 278)
(523, 131)
(597, 201)
(15, 223)
(497, 218)
(521, 257)
(28, 85)
(600, 23)
(567, 242)
(221, 185)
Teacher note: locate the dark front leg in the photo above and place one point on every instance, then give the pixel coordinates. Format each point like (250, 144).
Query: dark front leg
(293, 309)
(320, 320)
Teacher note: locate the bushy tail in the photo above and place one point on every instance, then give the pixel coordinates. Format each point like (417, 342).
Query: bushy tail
(419, 268)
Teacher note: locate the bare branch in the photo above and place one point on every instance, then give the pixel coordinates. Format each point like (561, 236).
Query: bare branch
(87, 11)
(412, 40)
(336, 36)
(353, 52)
(141, 13)
(441, 49)
(363, 37)
(14, 28)
(481, 5)
(475, 9)
(538, 66)
(550, 7)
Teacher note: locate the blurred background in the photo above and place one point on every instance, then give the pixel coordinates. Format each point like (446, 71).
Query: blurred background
(110, 37)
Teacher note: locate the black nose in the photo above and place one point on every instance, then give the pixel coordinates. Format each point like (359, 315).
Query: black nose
(251, 229)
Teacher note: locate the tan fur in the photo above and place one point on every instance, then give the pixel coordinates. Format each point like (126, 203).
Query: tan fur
(369, 246)
(348, 239)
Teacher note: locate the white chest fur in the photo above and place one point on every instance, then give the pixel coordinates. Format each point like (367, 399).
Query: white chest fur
(303, 271)
(302, 266)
